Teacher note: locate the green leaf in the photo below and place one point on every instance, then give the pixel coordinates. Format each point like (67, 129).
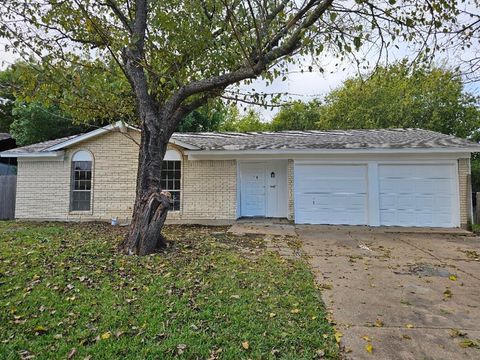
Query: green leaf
(357, 41)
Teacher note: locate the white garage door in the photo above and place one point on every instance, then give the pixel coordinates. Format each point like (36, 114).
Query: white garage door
(417, 195)
(330, 194)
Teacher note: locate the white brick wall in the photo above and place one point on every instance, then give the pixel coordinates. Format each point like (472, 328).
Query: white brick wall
(208, 188)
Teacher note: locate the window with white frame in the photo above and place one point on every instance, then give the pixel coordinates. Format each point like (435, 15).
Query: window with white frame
(172, 176)
(81, 188)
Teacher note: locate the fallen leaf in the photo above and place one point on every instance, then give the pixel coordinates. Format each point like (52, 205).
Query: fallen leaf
(272, 315)
(447, 293)
(26, 355)
(40, 329)
(295, 311)
(72, 353)
(181, 348)
(379, 323)
(338, 336)
(320, 353)
(457, 333)
(467, 343)
(453, 277)
(106, 335)
(245, 345)
(366, 338)
(409, 326)
(369, 348)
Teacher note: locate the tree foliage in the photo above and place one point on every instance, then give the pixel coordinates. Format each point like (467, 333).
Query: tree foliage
(209, 117)
(237, 122)
(185, 43)
(36, 123)
(30, 121)
(7, 99)
(403, 97)
(297, 116)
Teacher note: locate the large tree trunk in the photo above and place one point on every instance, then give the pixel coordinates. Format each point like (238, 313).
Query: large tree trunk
(151, 204)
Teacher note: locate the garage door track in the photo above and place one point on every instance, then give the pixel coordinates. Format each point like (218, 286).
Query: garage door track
(399, 293)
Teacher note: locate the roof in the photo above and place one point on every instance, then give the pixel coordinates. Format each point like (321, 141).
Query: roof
(334, 139)
(277, 141)
(5, 136)
(39, 147)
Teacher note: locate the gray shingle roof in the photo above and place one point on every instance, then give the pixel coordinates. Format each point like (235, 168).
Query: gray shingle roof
(334, 139)
(39, 147)
(5, 136)
(302, 140)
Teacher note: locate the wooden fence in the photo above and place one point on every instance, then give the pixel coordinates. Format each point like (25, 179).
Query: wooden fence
(8, 190)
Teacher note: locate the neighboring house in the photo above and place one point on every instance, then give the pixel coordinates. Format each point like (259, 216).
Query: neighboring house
(7, 165)
(399, 177)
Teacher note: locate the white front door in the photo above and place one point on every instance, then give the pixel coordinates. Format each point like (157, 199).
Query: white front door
(263, 189)
(253, 194)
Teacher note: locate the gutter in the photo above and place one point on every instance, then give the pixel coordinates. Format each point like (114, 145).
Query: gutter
(36, 155)
(331, 151)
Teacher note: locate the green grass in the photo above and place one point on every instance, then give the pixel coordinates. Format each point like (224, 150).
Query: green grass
(64, 290)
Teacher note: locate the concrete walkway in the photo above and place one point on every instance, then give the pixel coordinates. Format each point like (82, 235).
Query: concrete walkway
(410, 294)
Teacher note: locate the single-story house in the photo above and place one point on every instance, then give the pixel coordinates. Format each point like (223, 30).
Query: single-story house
(394, 177)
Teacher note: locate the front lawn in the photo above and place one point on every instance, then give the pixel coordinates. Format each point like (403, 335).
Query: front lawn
(66, 293)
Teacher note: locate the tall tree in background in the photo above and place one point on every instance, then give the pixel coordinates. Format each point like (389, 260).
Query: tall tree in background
(31, 119)
(209, 117)
(176, 55)
(297, 116)
(404, 97)
(236, 122)
(7, 100)
(33, 123)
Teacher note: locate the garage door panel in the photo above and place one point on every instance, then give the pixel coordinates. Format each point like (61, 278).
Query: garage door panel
(330, 171)
(313, 202)
(341, 217)
(417, 195)
(413, 171)
(316, 185)
(330, 194)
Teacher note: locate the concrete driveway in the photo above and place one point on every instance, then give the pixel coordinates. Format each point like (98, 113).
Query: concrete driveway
(410, 294)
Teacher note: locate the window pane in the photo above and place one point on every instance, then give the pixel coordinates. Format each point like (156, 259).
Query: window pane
(170, 181)
(175, 200)
(81, 185)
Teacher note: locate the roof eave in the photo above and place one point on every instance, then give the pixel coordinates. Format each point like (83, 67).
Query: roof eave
(121, 126)
(335, 151)
(36, 155)
(118, 125)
